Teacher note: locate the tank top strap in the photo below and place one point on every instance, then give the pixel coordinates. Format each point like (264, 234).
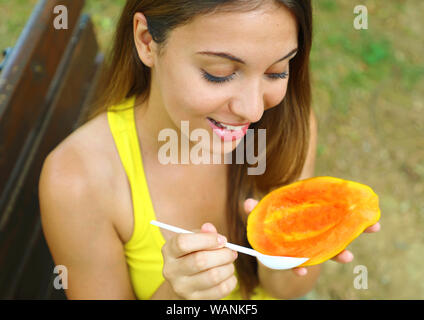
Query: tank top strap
(121, 120)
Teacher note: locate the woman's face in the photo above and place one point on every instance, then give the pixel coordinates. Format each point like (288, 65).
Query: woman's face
(227, 68)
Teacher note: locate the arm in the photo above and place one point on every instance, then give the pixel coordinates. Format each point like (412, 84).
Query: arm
(286, 284)
(79, 231)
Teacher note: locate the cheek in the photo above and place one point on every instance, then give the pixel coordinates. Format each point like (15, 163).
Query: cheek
(273, 98)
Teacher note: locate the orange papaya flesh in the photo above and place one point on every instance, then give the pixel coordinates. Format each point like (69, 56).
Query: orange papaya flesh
(315, 218)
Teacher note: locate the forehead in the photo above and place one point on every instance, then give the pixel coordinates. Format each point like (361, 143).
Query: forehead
(267, 32)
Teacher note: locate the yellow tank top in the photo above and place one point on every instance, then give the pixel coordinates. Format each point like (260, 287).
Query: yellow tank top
(143, 250)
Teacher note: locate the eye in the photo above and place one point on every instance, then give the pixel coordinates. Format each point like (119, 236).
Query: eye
(219, 80)
(282, 75)
(214, 79)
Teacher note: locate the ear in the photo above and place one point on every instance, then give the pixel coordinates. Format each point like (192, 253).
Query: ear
(143, 40)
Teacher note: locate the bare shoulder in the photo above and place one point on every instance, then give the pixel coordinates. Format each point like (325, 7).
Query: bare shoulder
(78, 200)
(81, 159)
(86, 166)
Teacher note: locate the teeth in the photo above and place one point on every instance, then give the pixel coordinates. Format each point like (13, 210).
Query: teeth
(226, 126)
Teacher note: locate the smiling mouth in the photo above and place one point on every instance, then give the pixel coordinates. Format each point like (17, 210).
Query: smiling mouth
(227, 126)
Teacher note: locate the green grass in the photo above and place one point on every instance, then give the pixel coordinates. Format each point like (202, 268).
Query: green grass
(344, 58)
(17, 13)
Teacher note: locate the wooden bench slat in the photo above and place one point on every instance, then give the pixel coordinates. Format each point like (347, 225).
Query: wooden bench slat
(26, 79)
(27, 266)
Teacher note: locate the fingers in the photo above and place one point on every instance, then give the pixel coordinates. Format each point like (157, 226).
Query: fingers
(212, 277)
(204, 260)
(343, 257)
(198, 266)
(208, 227)
(374, 228)
(346, 256)
(217, 292)
(214, 283)
(183, 244)
(300, 271)
(249, 205)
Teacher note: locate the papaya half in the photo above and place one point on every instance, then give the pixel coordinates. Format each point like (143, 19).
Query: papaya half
(315, 218)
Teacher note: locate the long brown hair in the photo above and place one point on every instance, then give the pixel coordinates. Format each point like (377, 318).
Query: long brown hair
(287, 125)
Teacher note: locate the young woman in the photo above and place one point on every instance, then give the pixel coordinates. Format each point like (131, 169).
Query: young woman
(222, 67)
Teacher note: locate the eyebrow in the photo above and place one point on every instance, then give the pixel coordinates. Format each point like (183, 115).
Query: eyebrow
(233, 58)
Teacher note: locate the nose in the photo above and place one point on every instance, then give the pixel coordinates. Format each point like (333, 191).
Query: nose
(248, 103)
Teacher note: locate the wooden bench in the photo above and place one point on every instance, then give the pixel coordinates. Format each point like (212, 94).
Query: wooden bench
(46, 86)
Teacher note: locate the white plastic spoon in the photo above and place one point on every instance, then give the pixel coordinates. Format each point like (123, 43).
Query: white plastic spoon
(272, 262)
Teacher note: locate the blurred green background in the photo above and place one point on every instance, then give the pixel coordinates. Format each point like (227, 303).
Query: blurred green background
(368, 94)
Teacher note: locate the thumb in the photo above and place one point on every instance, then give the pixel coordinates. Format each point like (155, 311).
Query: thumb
(208, 227)
(250, 204)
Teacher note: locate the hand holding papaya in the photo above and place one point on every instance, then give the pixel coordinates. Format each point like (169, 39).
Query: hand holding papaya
(343, 257)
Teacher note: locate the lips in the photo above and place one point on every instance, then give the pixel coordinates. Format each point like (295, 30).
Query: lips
(226, 131)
